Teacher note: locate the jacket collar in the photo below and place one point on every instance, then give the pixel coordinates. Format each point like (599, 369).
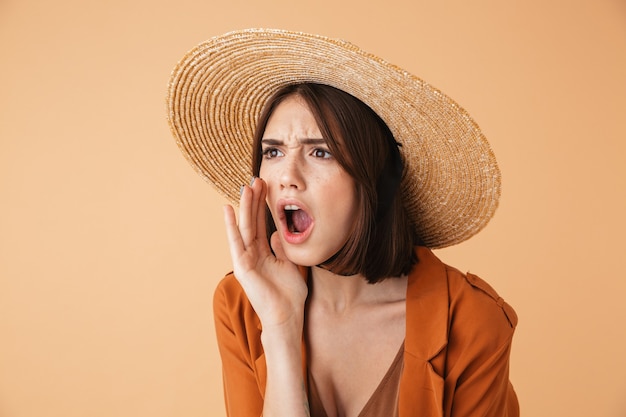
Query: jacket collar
(426, 307)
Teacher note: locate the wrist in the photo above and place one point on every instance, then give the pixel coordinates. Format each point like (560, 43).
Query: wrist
(286, 333)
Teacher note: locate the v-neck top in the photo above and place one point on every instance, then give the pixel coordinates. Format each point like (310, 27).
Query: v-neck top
(382, 403)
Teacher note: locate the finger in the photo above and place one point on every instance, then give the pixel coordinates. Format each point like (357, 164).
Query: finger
(255, 188)
(235, 243)
(262, 211)
(246, 228)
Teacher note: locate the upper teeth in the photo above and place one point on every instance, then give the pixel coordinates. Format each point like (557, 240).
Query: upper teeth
(291, 207)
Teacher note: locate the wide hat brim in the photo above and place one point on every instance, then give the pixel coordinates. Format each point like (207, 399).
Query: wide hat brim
(451, 184)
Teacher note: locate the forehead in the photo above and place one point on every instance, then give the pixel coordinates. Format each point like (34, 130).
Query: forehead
(291, 119)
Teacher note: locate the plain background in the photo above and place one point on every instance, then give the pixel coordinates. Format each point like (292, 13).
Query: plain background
(111, 245)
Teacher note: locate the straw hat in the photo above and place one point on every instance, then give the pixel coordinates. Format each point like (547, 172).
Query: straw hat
(451, 184)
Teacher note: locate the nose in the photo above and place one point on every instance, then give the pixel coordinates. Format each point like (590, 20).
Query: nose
(292, 175)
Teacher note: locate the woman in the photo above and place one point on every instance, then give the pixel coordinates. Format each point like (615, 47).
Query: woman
(337, 306)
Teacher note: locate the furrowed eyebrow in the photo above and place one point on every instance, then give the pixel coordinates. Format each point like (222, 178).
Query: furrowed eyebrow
(305, 141)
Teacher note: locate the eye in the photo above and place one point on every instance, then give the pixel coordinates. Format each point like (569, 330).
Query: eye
(321, 153)
(269, 153)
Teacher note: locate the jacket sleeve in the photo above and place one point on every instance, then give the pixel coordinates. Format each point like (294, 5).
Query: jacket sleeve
(481, 332)
(237, 333)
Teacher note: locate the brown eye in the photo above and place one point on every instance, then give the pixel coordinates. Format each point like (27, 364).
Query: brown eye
(270, 153)
(321, 153)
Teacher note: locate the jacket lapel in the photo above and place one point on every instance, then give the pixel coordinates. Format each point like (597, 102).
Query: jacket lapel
(421, 386)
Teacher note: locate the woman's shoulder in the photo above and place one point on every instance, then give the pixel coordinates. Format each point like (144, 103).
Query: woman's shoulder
(454, 319)
(229, 287)
(473, 305)
(235, 320)
(229, 299)
(472, 296)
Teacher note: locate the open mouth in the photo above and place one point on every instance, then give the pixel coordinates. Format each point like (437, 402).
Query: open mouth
(298, 221)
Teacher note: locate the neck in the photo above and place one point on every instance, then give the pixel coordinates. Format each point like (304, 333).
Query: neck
(342, 293)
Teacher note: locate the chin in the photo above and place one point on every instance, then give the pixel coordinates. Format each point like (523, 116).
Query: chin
(306, 256)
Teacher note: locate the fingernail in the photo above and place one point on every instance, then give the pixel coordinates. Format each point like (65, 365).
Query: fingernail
(240, 191)
(252, 181)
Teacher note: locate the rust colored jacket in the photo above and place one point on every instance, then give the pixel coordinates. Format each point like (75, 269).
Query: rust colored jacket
(456, 350)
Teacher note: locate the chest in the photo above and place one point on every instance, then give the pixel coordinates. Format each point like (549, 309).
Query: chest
(348, 357)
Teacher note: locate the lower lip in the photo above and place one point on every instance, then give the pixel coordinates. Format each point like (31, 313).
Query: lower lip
(297, 238)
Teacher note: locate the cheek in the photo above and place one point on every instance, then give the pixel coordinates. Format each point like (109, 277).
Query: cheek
(266, 175)
(269, 171)
(344, 197)
(262, 169)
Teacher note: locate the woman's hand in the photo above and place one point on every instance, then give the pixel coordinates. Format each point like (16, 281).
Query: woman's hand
(273, 284)
(277, 292)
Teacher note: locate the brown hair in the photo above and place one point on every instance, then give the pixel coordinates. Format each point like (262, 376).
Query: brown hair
(382, 241)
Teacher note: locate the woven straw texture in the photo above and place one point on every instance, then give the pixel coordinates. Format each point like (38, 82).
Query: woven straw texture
(451, 185)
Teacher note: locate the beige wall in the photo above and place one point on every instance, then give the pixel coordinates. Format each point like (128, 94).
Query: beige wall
(110, 245)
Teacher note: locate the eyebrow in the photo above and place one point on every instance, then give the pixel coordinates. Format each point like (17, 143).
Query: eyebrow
(304, 141)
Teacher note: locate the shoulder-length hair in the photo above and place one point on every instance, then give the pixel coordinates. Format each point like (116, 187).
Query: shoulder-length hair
(382, 244)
